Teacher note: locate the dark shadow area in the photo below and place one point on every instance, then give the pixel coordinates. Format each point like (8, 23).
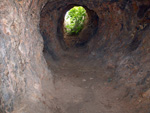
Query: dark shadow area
(135, 43)
(142, 10)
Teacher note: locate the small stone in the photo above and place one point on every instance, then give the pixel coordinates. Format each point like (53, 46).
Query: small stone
(146, 94)
(84, 80)
(140, 101)
(91, 78)
(93, 53)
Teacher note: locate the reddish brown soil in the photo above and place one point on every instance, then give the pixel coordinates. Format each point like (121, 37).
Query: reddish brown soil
(88, 87)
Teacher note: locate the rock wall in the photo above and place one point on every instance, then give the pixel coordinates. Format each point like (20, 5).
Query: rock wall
(121, 41)
(23, 69)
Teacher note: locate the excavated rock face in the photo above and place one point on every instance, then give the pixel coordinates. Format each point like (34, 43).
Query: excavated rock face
(32, 43)
(22, 65)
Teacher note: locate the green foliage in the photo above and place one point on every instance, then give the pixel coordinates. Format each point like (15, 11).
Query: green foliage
(74, 20)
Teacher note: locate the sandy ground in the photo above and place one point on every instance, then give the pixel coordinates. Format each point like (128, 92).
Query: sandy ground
(84, 86)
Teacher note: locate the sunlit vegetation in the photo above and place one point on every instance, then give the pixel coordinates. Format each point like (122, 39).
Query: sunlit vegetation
(74, 20)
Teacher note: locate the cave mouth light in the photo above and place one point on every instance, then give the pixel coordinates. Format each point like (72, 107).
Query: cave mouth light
(75, 20)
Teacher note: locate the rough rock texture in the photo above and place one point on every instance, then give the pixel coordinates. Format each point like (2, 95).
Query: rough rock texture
(23, 69)
(118, 54)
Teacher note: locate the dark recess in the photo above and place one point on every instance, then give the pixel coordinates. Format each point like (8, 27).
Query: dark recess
(142, 10)
(135, 43)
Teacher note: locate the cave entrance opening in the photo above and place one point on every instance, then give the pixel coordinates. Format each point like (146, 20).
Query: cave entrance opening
(75, 20)
(79, 25)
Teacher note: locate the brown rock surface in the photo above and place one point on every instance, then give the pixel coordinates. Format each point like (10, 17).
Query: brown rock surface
(108, 73)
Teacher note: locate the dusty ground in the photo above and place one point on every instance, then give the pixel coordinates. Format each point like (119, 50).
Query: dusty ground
(86, 86)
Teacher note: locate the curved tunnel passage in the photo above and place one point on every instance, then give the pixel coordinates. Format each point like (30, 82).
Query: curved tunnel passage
(59, 39)
(105, 71)
(108, 52)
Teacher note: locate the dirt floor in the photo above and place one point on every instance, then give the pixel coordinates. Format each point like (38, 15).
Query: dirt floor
(86, 86)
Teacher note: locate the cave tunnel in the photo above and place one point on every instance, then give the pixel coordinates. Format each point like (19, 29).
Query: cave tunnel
(103, 69)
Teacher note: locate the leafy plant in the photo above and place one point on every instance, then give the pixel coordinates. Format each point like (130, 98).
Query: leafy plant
(74, 20)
